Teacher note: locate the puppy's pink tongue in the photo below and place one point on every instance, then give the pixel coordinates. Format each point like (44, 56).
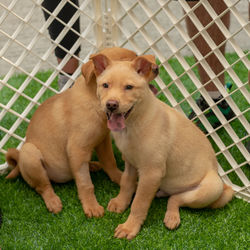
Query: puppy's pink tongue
(116, 122)
(153, 89)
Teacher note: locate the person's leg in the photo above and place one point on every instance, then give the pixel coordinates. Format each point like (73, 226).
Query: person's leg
(204, 48)
(70, 38)
(216, 35)
(70, 67)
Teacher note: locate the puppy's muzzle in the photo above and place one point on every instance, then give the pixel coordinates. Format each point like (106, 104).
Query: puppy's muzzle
(112, 105)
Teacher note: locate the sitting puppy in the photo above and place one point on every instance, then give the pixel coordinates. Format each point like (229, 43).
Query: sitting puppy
(159, 145)
(60, 140)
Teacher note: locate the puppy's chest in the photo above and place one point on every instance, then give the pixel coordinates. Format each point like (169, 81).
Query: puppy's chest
(129, 146)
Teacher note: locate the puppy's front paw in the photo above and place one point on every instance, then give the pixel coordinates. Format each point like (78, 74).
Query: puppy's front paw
(172, 220)
(116, 205)
(53, 204)
(93, 211)
(127, 231)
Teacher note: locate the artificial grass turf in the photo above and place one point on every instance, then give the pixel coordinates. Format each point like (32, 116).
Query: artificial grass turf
(28, 225)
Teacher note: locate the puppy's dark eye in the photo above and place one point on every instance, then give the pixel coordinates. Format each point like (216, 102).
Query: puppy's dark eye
(128, 87)
(105, 85)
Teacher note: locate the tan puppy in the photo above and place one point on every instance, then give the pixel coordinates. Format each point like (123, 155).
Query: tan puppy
(60, 140)
(159, 145)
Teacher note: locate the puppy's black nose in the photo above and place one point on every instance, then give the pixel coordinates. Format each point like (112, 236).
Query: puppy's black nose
(112, 105)
(155, 69)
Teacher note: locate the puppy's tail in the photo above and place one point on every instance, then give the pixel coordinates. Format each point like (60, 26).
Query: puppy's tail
(225, 197)
(12, 156)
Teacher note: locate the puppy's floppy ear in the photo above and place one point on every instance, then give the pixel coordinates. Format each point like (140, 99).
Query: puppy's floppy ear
(154, 66)
(146, 66)
(88, 70)
(101, 62)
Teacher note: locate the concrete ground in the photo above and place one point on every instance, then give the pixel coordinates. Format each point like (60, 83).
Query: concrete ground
(16, 34)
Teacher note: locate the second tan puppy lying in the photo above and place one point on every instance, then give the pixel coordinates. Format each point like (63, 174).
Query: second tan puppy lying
(159, 145)
(60, 140)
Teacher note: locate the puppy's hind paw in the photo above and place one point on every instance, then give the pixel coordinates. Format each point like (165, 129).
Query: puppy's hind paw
(115, 176)
(95, 166)
(160, 193)
(172, 220)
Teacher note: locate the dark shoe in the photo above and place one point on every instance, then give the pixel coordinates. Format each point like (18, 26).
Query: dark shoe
(222, 105)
